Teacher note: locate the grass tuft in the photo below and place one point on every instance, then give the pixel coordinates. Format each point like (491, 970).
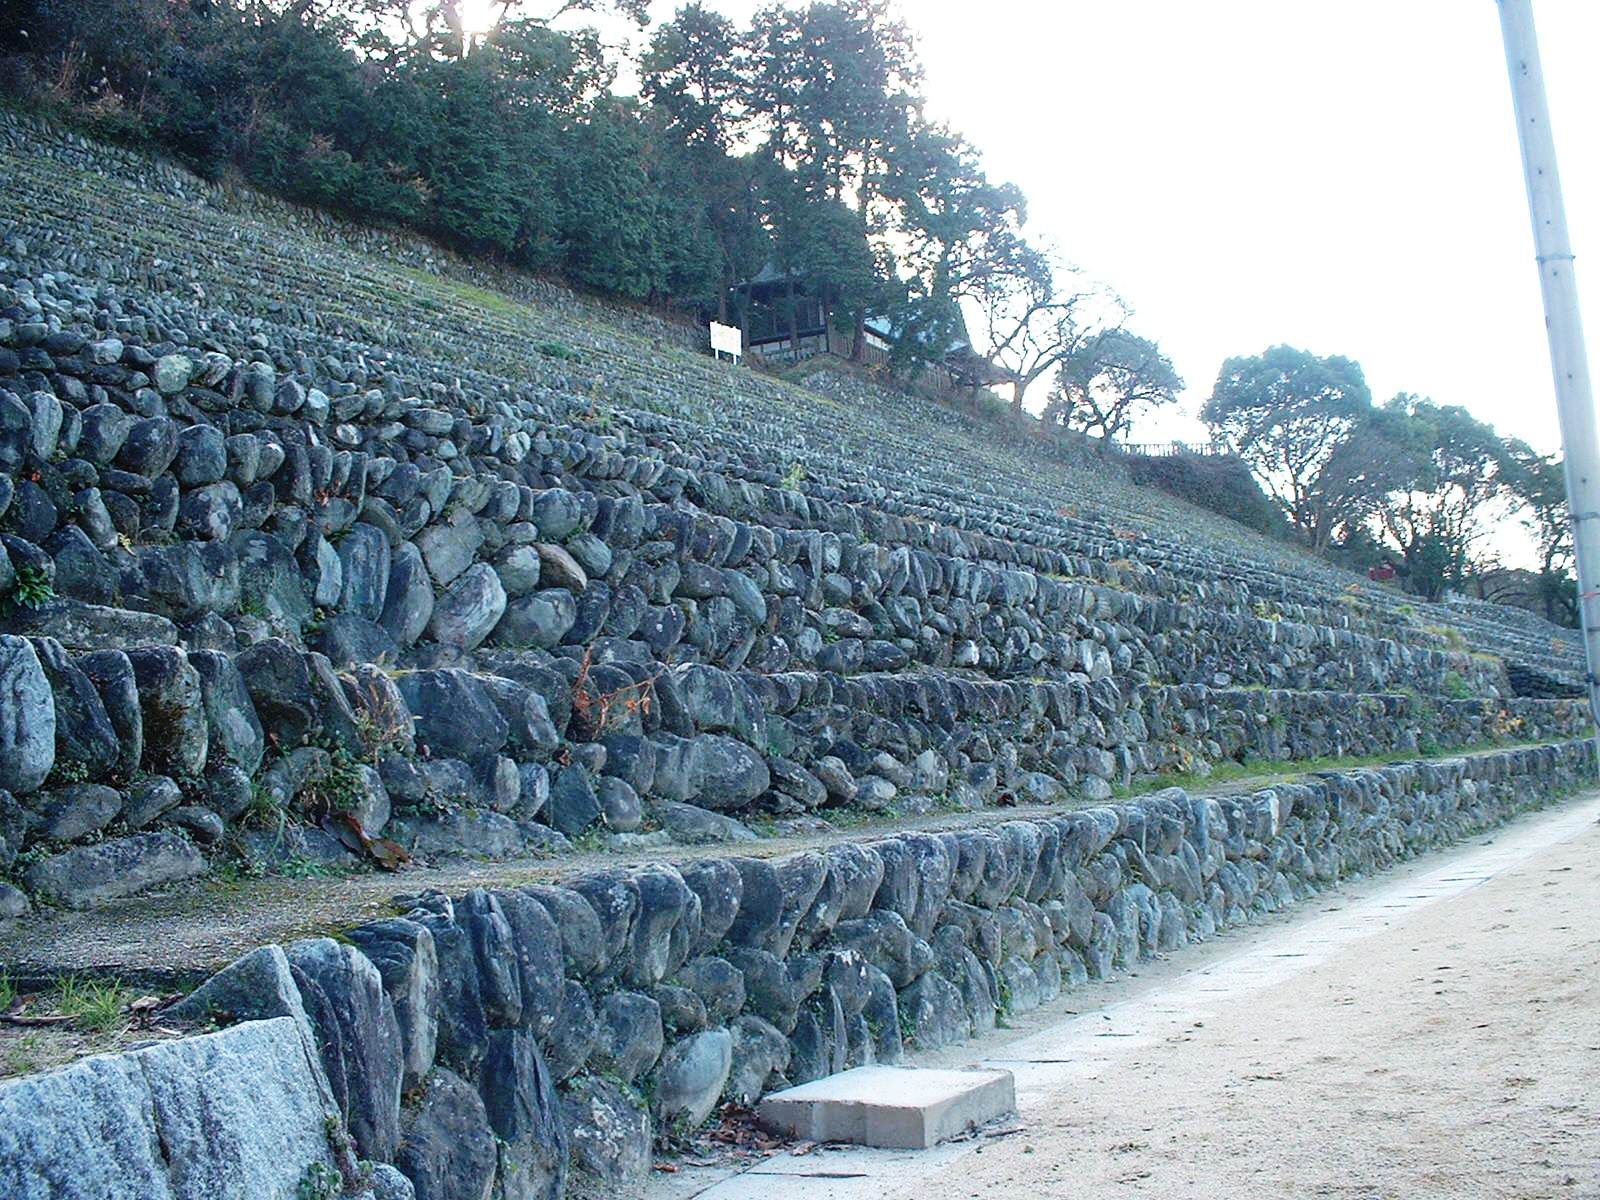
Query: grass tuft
(93, 1004)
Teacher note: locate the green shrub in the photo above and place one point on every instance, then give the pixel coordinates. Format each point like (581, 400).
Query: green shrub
(32, 588)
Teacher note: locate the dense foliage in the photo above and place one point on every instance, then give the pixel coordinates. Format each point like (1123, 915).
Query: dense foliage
(1411, 480)
(797, 141)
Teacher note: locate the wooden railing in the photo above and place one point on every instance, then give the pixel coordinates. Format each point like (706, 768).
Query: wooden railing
(1173, 449)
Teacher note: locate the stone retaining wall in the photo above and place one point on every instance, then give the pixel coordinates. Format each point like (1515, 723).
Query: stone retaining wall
(534, 1042)
(480, 572)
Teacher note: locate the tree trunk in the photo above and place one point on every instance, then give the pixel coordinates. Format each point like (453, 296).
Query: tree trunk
(858, 337)
(794, 324)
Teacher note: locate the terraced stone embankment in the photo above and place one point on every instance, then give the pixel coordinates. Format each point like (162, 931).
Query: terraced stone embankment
(322, 548)
(539, 1040)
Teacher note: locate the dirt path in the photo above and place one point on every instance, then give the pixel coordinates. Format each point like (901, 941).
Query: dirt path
(180, 933)
(1432, 1034)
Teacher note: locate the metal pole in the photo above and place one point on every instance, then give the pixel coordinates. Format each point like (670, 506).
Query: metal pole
(1574, 398)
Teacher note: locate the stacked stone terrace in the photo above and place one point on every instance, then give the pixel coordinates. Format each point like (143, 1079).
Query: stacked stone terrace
(321, 544)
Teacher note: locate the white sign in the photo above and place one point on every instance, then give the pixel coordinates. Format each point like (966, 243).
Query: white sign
(725, 339)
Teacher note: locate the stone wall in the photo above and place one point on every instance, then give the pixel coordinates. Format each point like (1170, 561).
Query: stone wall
(535, 1041)
(302, 529)
(483, 571)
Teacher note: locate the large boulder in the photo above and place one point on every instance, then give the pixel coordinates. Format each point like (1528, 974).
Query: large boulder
(539, 620)
(27, 717)
(455, 715)
(472, 606)
(256, 986)
(359, 1038)
(630, 1034)
(403, 951)
(536, 948)
(726, 774)
(408, 600)
(68, 813)
(85, 737)
(690, 1078)
(364, 559)
(448, 1150)
(520, 1099)
(112, 675)
(242, 1111)
(759, 1052)
(573, 806)
(463, 1032)
(279, 683)
(88, 876)
(235, 731)
(609, 1133)
(173, 710)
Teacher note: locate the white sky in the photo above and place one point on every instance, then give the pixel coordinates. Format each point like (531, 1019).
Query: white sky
(1341, 175)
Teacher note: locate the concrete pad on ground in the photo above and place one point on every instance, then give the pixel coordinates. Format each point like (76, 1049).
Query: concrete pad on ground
(909, 1108)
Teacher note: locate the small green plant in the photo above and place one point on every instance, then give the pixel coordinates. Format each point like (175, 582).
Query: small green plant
(32, 588)
(1452, 636)
(300, 867)
(321, 1181)
(1455, 687)
(338, 788)
(674, 1133)
(557, 350)
(793, 476)
(382, 723)
(92, 1004)
(590, 840)
(262, 812)
(8, 992)
(68, 770)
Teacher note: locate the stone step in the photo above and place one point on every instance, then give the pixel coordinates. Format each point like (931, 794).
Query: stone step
(894, 1108)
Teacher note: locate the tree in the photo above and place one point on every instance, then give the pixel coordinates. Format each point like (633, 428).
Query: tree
(830, 85)
(1037, 312)
(1286, 412)
(1539, 483)
(1370, 463)
(1459, 466)
(1102, 385)
(695, 75)
(437, 29)
(959, 236)
(695, 72)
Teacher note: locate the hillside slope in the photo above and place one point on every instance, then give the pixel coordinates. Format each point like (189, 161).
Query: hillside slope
(375, 531)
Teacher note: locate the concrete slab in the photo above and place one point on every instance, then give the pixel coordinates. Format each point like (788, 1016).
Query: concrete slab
(909, 1108)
